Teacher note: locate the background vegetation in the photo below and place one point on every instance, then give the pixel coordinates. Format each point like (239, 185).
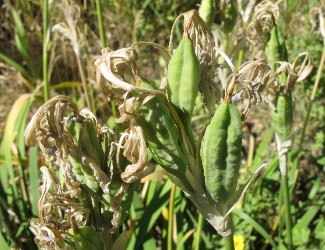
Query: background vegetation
(69, 70)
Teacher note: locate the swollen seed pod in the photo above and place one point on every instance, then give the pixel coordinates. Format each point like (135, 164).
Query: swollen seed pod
(207, 11)
(229, 18)
(161, 133)
(220, 154)
(275, 49)
(282, 116)
(184, 74)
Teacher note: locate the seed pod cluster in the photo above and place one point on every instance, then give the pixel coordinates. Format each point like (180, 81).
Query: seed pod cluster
(220, 154)
(282, 116)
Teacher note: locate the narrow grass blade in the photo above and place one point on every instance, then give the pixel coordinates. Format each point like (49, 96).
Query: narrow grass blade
(16, 65)
(3, 243)
(8, 139)
(151, 214)
(34, 178)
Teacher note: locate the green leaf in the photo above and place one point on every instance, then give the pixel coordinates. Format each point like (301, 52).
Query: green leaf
(122, 241)
(34, 178)
(151, 214)
(320, 229)
(300, 231)
(3, 243)
(85, 238)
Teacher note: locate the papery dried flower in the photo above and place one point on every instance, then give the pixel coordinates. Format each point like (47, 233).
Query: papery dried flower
(135, 151)
(266, 16)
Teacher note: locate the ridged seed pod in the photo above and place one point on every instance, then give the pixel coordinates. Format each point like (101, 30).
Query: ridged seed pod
(282, 116)
(275, 49)
(221, 153)
(161, 133)
(184, 74)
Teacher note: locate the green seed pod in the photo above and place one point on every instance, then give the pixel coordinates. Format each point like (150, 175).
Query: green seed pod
(85, 238)
(184, 74)
(282, 116)
(220, 154)
(275, 49)
(84, 133)
(161, 133)
(229, 18)
(207, 11)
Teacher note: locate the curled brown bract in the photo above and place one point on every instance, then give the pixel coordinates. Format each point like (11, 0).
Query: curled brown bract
(134, 147)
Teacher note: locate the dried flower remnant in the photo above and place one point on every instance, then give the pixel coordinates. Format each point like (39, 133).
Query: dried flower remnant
(204, 46)
(252, 77)
(266, 16)
(135, 150)
(92, 198)
(317, 14)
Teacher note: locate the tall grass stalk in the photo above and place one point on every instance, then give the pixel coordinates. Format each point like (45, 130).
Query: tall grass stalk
(102, 35)
(170, 244)
(45, 48)
(197, 235)
(89, 102)
(100, 23)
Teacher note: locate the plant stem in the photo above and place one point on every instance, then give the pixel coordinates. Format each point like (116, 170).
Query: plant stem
(170, 245)
(103, 40)
(198, 232)
(284, 183)
(84, 84)
(283, 164)
(229, 243)
(45, 45)
(100, 23)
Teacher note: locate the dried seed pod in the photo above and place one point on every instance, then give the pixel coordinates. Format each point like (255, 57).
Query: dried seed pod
(220, 154)
(282, 116)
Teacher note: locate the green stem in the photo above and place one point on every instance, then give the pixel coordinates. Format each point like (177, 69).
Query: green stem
(170, 245)
(45, 55)
(240, 58)
(103, 40)
(229, 243)
(100, 23)
(284, 183)
(283, 164)
(198, 232)
(89, 103)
